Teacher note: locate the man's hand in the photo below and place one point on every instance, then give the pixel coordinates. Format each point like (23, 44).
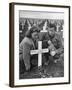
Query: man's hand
(52, 53)
(49, 42)
(51, 46)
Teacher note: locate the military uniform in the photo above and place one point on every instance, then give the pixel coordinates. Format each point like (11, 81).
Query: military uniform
(56, 45)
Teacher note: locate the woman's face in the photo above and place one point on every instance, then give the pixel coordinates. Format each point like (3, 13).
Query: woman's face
(35, 35)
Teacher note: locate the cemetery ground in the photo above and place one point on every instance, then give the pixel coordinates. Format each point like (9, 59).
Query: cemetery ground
(50, 70)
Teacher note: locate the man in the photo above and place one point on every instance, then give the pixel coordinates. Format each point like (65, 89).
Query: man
(53, 41)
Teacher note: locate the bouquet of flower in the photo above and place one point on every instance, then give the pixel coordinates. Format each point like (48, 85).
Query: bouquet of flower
(51, 48)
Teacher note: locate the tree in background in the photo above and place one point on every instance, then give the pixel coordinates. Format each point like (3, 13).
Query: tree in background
(47, 24)
(24, 30)
(31, 21)
(25, 27)
(41, 24)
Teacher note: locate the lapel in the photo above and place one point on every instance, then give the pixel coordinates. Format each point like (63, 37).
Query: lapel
(32, 44)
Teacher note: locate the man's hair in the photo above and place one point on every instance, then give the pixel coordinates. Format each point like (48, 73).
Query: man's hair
(32, 29)
(52, 26)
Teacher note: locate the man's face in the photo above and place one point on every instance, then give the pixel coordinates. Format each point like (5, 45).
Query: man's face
(51, 31)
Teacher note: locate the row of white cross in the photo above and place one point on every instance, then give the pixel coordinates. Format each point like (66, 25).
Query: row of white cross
(39, 52)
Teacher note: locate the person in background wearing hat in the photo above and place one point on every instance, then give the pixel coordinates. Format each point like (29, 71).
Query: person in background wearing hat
(54, 43)
(27, 44)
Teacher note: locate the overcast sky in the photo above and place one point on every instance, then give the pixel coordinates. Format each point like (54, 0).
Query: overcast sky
(41, 15)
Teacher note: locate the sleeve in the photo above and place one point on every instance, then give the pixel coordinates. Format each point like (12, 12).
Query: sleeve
(59, 39)
(26, 55)
(61, 47)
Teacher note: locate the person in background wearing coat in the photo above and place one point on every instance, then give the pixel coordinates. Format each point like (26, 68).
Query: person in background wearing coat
(27, 44)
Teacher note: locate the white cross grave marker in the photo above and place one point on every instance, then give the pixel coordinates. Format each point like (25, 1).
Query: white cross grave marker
(44, 27)
(29, 26)
(22, 25)
(57, 27)
(39, 52)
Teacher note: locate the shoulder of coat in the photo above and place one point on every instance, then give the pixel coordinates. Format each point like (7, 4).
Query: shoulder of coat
(57, 35)
(27, 40)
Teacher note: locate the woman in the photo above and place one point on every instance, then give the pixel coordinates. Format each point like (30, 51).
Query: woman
(27, 44)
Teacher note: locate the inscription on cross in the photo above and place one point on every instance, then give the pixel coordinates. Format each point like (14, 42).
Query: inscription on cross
(39, 51)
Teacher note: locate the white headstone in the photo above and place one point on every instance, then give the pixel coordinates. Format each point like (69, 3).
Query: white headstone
(29, 26)
(22, 25)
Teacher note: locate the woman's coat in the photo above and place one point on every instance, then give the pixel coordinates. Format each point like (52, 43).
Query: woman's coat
(25, 46)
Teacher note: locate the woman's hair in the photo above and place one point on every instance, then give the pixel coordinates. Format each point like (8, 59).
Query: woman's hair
(33, 29)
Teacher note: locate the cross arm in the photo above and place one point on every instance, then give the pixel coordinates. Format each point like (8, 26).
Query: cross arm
(32, 52)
